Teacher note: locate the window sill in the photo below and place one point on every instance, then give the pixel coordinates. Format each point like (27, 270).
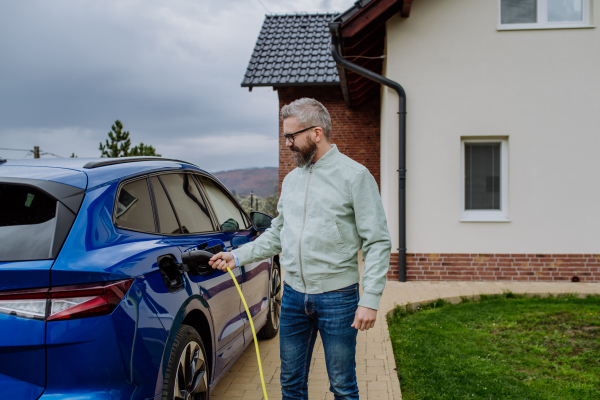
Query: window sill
(484, 217)
(518, 27)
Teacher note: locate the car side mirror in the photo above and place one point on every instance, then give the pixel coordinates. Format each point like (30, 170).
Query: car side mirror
(260, 220)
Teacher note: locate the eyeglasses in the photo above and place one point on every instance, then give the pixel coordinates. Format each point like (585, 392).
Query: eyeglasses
(291, 136)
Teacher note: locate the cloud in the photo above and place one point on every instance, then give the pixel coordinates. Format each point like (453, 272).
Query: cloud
(46, 138)
(169, 70)
(246, 149)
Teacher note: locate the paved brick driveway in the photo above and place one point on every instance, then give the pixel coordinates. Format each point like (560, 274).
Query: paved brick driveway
(374, 357)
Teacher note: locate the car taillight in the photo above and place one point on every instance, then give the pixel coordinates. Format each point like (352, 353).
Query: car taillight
(28, 303)
(81, 301)
(65, 302)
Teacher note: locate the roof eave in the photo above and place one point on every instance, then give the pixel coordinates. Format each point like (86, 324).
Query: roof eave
(334, 30)
(337, 83)
(353, 22)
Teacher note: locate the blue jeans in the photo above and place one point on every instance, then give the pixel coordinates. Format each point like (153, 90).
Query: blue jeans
(331, 314)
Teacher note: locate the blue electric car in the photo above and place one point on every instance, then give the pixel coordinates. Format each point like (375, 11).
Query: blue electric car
(105, 291)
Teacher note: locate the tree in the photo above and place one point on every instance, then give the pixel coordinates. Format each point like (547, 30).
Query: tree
(270, 203)
(143, 150)
(263, 204)
(120, 143)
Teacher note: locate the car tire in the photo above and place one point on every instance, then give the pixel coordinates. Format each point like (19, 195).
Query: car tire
(271, 328)
(187, 355)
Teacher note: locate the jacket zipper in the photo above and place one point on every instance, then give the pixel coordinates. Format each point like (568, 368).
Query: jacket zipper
(302, 231)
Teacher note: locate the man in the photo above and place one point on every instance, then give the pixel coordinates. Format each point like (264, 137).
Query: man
(328, 210)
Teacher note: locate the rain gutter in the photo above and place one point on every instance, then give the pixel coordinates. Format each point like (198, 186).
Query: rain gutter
(335, 47)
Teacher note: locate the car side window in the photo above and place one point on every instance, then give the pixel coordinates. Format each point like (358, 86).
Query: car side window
(189, 204)
(230, 217)
(166, 217)
(134, 207)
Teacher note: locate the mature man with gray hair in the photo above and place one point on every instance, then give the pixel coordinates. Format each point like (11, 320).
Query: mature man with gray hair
(329, 209)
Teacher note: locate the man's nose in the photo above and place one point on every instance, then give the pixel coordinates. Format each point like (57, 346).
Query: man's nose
(288, 142)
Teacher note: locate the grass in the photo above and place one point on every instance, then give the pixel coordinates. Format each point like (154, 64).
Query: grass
(501, 347)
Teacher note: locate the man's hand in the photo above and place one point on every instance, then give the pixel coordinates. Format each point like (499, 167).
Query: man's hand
(222, 260)
(364, 318)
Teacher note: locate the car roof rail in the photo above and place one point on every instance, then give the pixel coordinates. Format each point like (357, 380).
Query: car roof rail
(122, 160)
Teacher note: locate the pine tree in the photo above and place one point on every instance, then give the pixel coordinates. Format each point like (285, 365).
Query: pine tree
(143, 150)
(119, 145)
(119, 142)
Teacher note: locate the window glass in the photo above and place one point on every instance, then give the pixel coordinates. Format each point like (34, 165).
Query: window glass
(565, 10)
(229, 215)
(518, 11)
(134, 207)
(166, 217)
(261, 221)
(189, 205)
(482, 176)
(27, 221)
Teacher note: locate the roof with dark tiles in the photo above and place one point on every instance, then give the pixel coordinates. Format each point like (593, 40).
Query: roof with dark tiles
(293, 50)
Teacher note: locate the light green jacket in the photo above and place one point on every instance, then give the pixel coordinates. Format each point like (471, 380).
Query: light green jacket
(328, 211)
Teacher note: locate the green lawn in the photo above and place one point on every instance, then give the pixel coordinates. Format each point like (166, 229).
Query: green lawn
(502, 347)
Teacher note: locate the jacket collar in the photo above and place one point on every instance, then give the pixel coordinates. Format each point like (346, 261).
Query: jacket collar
(326, 159)
(329, 156)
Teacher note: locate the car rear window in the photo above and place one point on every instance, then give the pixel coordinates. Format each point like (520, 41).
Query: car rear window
(166, 216)
(27, 222)
(189, 204)
(134, 207)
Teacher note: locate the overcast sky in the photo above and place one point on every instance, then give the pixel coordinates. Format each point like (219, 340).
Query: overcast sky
(169, 70)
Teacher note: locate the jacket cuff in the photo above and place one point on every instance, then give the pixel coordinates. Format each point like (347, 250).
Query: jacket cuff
(237, 261)
(370, 300)
(241, 256)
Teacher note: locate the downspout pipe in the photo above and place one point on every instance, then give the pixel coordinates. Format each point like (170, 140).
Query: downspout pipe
(334, 28)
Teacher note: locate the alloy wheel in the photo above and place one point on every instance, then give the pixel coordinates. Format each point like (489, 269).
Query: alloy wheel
(276, 294)
(191, 381)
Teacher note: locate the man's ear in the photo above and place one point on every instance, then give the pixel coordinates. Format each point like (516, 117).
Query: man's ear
(318, 134)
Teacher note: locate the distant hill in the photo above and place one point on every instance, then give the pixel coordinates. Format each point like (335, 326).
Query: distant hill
(258, 180)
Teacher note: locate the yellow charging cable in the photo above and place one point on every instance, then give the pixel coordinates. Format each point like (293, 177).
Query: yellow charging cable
(262, 378)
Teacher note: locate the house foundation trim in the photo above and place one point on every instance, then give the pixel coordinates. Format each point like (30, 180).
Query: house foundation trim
(498, 267)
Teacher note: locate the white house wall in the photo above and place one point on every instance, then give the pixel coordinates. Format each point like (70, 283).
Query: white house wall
(463, 77)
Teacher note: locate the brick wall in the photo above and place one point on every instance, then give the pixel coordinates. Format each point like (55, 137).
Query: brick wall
(354, 132)
(495, 267)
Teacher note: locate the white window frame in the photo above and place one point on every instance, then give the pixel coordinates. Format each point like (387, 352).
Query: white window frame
(486, 215)
(542, 18)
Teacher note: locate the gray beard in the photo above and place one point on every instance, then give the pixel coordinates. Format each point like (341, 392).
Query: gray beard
(304, 156)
